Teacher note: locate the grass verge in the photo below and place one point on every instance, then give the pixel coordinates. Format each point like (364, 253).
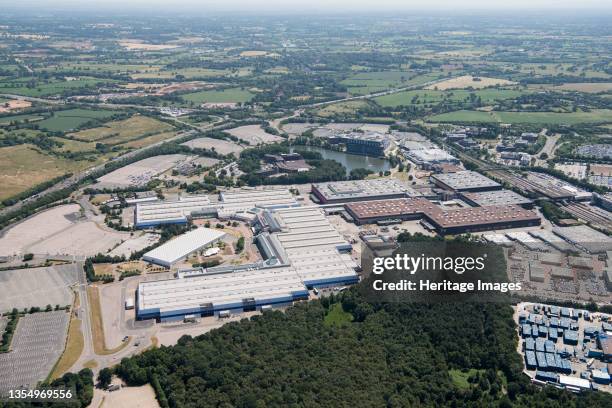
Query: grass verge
(97, 325)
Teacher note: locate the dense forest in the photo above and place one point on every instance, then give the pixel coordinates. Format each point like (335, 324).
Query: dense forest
(393, 355)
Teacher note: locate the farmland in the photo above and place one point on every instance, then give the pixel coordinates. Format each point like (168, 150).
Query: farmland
(64, 121)
(25, 166)
(44, 89)
(595, 116)
(235, 95)
(588, 87)
(189, 73)
(342, 108)
(370, 82)
(122, 131)
(423, 97)
(469, 81)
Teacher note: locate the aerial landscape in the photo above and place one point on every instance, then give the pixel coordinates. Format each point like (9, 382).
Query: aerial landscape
(193, 200)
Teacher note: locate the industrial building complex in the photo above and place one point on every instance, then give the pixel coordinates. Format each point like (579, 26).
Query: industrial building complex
(566, 347)
(301, 251)
(232, 203)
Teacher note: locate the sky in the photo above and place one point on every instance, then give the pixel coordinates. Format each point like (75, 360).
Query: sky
(348, 6)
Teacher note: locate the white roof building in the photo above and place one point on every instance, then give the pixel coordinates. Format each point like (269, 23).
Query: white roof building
(179, 248)
(234, 202)
(574, 382)
(172, 211)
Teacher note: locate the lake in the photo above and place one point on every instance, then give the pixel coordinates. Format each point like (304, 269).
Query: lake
(350, 161)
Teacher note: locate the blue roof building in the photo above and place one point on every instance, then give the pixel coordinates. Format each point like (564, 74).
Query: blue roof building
(570, 337)
(541, 359)
(546, 376)
(526, 330)
(530, 360)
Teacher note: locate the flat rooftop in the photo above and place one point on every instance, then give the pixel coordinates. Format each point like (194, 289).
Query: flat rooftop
(586, 237)
(390, 208)
(465, 180)
(496, 197)
(183, 245)
(242, 200)
(160, 211)
(355, 189)
(218, 289)
(431, 155)
(482, 216)
(443, 218)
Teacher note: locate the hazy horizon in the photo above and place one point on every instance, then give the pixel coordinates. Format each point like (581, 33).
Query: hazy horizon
(303, 6)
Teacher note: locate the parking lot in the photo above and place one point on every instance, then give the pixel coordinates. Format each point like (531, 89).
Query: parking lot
(24, 288)
(37, 344)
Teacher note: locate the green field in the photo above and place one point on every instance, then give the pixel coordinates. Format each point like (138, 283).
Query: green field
(85, 67)
(5, 120)
(337, 316)
(460, 378)
(220, 96)
(570, 118)
(422, 97)
(342, 108)
(24, 166)
(47, 89)
(370, 82)
(122, 131)
(64, 121)
(189, 73)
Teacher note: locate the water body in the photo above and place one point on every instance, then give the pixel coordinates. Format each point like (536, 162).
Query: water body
(350, 161)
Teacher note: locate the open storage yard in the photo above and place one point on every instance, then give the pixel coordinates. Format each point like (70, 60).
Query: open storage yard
(36, 345)
(564, 346)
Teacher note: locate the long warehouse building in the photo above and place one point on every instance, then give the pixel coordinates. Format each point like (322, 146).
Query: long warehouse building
(456, 221)
(235, 202)
(360, 190)
(179, 248)
(466, 180)
(209, 294)
(152, 214)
